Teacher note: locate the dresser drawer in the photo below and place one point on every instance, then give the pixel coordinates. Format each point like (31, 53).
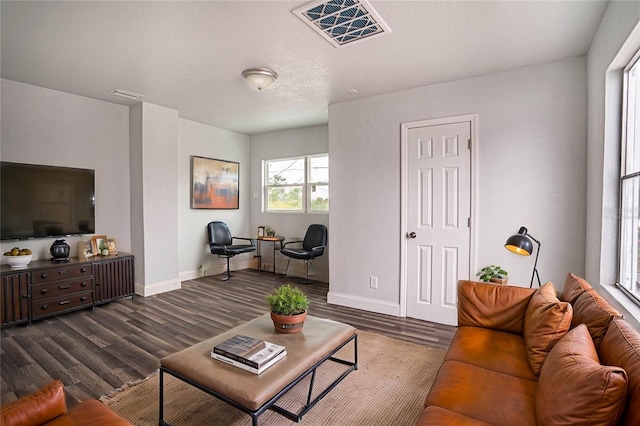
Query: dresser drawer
(52, 306)
(61, 288)
(61, 273)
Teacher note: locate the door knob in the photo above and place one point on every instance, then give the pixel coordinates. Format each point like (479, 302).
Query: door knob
(411, 234)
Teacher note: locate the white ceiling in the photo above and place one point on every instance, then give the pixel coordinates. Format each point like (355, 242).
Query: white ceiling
(189, 55)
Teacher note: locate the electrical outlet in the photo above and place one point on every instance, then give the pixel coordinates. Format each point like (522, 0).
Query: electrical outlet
(373, 282)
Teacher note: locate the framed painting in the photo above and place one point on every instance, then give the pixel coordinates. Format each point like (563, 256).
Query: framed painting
(214, 183)
(97, 243)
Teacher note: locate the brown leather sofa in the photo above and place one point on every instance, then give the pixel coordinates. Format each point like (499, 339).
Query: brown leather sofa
(524, 357)
(48, 406)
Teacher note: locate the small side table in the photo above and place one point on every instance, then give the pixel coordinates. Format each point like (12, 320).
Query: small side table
(277, 241)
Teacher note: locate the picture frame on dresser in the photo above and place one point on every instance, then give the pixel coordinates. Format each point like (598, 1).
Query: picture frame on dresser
(84, 250)
(96, 241)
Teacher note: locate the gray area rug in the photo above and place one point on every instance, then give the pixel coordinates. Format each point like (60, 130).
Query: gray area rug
(388, 388)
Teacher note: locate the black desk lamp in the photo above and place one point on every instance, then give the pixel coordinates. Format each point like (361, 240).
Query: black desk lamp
(521, 244)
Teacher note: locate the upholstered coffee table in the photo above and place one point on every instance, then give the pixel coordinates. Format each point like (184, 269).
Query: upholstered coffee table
(254, 394)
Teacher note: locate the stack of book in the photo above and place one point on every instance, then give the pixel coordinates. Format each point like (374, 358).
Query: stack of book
(248, 353)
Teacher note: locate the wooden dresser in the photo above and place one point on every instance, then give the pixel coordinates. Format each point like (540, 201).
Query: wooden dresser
(45, 288)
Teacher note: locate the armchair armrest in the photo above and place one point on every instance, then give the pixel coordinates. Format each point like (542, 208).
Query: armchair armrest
(242, 238)
(498, 307)
(292, 242)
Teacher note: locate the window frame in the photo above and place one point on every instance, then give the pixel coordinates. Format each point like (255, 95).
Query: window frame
(306, 185)
(627, 176)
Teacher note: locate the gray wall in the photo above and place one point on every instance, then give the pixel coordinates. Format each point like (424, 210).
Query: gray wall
(617, 39)
(42, 126)
(531, 156)
(207, 141)
(284, 144)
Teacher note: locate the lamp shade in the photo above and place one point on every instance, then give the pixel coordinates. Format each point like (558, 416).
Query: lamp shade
(260, 78)
(520, 243)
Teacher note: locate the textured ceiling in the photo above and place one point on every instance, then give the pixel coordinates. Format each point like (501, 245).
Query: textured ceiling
(189, 55)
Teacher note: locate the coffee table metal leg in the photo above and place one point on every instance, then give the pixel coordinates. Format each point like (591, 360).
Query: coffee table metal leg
(161, 421)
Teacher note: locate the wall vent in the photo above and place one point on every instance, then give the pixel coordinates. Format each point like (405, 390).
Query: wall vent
(343, 22)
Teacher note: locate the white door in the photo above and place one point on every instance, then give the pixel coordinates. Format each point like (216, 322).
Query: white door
(437, 215)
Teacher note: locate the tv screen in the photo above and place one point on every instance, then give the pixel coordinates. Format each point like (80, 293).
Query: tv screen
(45, 201)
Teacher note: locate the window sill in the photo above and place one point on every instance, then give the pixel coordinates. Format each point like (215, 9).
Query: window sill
(629, 309)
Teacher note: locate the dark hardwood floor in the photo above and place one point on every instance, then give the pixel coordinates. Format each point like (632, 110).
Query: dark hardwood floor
(96, 351)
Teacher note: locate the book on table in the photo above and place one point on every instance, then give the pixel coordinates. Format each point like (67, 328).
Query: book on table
(245, 367)
(250, 351)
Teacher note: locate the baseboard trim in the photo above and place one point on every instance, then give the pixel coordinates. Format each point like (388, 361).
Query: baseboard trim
(363, 303)
(157, 288)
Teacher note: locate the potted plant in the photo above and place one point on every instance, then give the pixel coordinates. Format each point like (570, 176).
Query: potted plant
(270, 231)
(494, 274)
(288, 307)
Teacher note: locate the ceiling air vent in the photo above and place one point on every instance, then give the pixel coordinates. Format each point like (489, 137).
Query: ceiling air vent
(343, 22)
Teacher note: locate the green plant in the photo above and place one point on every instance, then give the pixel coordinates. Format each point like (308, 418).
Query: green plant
(492, 271)
(287, 300)
(269, 231)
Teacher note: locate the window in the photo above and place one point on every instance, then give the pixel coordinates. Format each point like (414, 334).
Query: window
(630, 183)
(298, 184)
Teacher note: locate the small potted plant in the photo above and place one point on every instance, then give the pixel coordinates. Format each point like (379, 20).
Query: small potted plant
(270, 231)
(494, 274)
(288, 307)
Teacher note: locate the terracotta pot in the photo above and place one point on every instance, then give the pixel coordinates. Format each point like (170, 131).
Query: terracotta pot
(502, 281)
(288, 324)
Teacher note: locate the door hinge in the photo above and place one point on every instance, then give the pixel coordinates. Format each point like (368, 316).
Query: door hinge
(469, 144)
(468, 222)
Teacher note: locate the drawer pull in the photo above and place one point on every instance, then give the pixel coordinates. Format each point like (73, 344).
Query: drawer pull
(64, 302)
(64, 287)
(83, 270)
(83, 298)
(63, 272)
(43, 276)
(84, 284)
(44, 307)
(43, 291)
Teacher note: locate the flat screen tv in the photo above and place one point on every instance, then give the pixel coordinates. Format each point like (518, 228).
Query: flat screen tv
(45, 201)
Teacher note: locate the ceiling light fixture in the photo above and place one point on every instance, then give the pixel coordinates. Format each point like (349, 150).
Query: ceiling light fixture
(260, 78)
(126, 94)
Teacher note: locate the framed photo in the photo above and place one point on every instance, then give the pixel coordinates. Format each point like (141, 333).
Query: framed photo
(96, 241)
(84, 250)
(111, 246)
(260, 231)
(214, 183)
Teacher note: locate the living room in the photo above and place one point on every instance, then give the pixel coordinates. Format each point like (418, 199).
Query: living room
(547, 158)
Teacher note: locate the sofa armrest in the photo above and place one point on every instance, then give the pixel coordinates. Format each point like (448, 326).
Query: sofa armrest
(498, 307)
(37, 408)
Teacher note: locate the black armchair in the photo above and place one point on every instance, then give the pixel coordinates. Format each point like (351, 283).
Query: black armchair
(221, 243)
(313, 246)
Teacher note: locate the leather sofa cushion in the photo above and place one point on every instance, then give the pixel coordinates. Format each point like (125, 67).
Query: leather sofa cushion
(485, 395)
(493, 306)
(593, 310)
(621, 346)
(574, 286)
(96, 411)
(491, 349)
(436, 416)
(546, 321)
(574, 389)
(37, 408)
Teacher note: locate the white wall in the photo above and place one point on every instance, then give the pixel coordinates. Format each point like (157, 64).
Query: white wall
(42, 126)
(615, 39)
(154, 205)
(284, 144)
(207, 141)
(531, 155)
